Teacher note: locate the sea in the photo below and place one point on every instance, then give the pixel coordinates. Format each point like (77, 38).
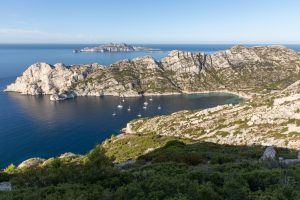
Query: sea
(34, 126)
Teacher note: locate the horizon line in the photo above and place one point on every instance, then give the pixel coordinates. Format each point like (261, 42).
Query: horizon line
(196, 43)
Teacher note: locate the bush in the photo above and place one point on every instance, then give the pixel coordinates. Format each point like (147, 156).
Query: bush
(10, 169)
(174, 143)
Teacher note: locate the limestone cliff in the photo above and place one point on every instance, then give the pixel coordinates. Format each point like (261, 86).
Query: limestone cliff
(239, 69)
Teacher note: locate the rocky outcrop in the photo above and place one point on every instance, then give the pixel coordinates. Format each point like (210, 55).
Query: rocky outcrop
(5, 186)
(68, 155)
(41, 162)
(125, 165)
(269, 154)
(31, 163)
(111, 47)
(239, 69)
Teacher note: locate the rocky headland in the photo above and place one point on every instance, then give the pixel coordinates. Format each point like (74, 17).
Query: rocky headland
(241, 70)
(112, 47)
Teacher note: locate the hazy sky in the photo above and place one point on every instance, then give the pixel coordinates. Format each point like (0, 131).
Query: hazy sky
(150, 21)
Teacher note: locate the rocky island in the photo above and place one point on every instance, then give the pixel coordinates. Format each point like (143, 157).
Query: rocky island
(242, 70)
(112, 47)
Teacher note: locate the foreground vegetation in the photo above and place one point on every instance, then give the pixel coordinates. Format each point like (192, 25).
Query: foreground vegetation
(177, 170)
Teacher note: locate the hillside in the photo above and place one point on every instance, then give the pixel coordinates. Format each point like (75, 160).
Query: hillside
(174, 171)
(271, 119)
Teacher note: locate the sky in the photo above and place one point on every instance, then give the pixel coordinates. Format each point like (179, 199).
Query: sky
(150, 21)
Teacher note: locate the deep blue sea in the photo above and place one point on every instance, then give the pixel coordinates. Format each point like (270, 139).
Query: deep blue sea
(33, 126)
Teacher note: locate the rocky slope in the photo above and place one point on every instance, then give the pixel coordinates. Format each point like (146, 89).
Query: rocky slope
(271, 119)
(239, 69)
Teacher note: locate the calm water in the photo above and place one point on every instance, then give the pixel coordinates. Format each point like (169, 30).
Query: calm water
(36, 127)
(14, 59)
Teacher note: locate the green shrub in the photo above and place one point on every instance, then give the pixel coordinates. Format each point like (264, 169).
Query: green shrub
(178, 170)
(10, 169)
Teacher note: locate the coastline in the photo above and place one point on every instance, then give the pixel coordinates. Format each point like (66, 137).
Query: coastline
(240, 94)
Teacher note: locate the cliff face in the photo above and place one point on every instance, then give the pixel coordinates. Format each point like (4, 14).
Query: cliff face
(238, 69)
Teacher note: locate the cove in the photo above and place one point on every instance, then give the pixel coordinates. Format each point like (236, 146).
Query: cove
(34, 126)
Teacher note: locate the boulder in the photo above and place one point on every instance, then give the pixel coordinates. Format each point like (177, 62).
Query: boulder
(5, 186)
(125, 165)
(63, 96)
(269, 154)
(68, 155)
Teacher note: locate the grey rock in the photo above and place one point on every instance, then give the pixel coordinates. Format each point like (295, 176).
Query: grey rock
(269, 154)
(68, 155)
(290, 161)
(125, 165)
(5, 186)
(63, 96)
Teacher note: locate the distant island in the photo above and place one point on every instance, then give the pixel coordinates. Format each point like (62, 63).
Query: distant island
(114, 47)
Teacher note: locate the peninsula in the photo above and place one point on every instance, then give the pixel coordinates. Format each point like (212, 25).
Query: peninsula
(241, 70)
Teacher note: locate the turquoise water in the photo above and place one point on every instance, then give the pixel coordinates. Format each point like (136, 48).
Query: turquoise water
(33, 126)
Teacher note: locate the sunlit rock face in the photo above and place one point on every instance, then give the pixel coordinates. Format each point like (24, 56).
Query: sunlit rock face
(32, 162)
(239, 69)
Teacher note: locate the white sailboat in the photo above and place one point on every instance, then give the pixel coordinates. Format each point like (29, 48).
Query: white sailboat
(114, 113)
(139, 115)
(145, 103)
(129, 109)
(120, 106)
(144, 107)
(159, 107)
